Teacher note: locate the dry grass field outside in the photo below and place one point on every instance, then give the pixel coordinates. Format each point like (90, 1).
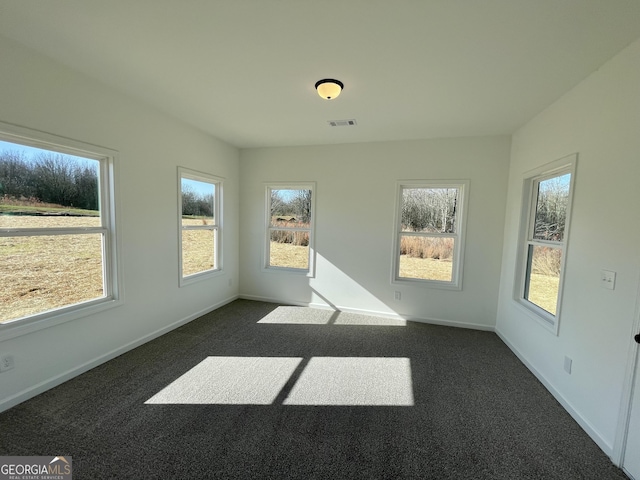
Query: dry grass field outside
(295, 256)
(543, 291)
(437, 248)
(286, 255)
(426, 258)
(43, 273)
(47, 272)
(426, 268)
(287, 248)
(197, 248)
(545, 278)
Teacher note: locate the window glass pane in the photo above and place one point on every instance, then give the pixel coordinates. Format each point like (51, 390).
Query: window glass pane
(197, 202)
(40, 273)
(198, 251)
(289, 249)
(543, 277)
(290, 207)
(46, 221)
(36, 183)
(551, 208)
(426, 258)
(431, 210)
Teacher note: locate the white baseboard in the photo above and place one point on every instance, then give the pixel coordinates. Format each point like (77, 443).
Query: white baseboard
(374, 313)
(595, 435)
(49, 383)
(452, 323)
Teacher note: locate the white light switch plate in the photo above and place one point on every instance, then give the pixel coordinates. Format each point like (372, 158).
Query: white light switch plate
(567, 364)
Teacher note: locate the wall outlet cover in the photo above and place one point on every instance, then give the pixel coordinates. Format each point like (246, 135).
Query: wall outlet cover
(7, 363)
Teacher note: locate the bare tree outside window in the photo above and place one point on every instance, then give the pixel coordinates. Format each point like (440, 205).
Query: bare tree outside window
(56, 230)
(546, 241)
(199, 224)
(289, 227)
(428, 233)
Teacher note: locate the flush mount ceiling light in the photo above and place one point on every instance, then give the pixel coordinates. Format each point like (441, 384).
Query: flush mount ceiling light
(329, 88)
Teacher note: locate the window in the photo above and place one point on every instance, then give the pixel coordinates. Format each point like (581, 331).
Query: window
(57, 228)
(430, 233)
(289, 239)
(546, 213)
(199, 218)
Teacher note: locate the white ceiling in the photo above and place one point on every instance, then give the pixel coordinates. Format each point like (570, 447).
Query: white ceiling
(244, 70)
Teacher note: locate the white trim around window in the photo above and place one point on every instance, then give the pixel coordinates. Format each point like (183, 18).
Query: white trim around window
(199, 225)
(429, 251)
(289, 225)
(543, 240)
(105, 227)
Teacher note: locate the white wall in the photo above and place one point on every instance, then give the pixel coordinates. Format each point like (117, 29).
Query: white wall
(599, 119)
(42, 95)
(355, 205)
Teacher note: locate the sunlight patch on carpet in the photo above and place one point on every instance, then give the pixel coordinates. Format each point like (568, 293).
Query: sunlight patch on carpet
(316, 316)
(230, 381)
(346, 381)
(298, 316)
(323, 381)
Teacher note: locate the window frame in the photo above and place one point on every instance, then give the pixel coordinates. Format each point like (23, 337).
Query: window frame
(526, 240)
(269, 186)
(111, 267)
(216, 227)
(459, 235)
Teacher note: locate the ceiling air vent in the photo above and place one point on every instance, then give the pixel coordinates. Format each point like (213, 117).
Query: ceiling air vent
(342, 123)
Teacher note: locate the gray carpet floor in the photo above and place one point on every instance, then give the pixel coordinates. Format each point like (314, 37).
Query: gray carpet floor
(257, 390)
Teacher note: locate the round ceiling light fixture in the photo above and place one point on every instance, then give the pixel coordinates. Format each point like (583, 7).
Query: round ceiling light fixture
(329, 88)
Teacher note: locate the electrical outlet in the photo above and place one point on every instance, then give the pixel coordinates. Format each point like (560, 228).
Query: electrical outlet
(6, 363)
(230, 282)
(608, 279)
(397, 296)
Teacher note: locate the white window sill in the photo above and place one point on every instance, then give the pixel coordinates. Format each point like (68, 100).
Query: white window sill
(427, 284)
(199, 277)
(23, 326)
(542, 317)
